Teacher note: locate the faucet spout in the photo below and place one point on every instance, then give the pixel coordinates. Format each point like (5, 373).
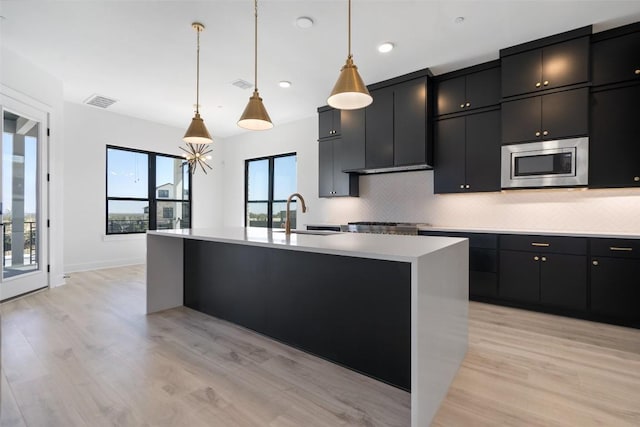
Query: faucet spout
(287, 222)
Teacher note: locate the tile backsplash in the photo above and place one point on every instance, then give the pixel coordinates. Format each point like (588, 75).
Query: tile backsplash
(409, 197)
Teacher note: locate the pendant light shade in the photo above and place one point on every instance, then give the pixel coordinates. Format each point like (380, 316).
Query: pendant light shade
(255, 116)
(349, 92)
(197, 132)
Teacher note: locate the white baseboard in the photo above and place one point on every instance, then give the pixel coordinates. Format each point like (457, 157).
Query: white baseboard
(72, 268)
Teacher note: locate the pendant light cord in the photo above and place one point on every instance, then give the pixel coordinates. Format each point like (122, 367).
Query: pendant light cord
(198, 72)
(255, 51)
(349, 44)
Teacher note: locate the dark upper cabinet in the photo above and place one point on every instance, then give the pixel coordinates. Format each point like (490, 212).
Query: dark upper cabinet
(552, 116)
(353, 139)
(616, 59)
(467, 153)
(379, 129)
(475, 90)
(556, 65)
(328, 122)
(410, 123)
(615, 279)
(332, 182)
(614, 151)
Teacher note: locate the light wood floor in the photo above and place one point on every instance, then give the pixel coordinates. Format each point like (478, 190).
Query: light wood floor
(85, 354)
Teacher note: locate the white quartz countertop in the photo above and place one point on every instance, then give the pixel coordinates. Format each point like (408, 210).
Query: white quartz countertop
(363, 245)
(608, 235)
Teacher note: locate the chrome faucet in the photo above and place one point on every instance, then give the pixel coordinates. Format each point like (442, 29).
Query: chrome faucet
(287, 221)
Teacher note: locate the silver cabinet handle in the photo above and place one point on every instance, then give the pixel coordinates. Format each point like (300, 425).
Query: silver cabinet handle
(544, 258)
(535, 258)
(636, 178)
(538, 133)
(546, 82)
(468, 104)
(619, 249)
(595, 262)
(540, 245)
(545, 133)
(637, 72)
(538, 84)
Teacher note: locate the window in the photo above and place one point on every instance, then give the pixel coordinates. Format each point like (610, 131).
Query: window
(146, 191)
(268, 183)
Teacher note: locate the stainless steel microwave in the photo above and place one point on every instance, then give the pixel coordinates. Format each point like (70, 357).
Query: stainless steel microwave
(560, 163)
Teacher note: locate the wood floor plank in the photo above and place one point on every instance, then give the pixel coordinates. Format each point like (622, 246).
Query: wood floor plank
(86, 354)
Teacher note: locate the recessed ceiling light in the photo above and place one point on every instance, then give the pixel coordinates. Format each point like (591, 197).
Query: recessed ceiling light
(304, 22)
(386, 47)
(459, 20)
(284, 84)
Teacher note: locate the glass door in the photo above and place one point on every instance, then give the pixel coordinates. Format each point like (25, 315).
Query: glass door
(23, 193)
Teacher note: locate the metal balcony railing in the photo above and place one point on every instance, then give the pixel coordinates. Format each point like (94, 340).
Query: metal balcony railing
(30, 243)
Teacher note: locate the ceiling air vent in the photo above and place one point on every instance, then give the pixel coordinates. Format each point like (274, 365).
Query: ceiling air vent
(99, 101)
(242, 84)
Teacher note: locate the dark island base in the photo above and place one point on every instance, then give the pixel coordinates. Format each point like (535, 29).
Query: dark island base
(353, 311)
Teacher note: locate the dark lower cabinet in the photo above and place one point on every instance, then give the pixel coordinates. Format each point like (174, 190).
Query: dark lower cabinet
(547, 270)
(614, 148)
(563, 281)
(353, 311)
(520, 276)
(615, 288)
(615, 279)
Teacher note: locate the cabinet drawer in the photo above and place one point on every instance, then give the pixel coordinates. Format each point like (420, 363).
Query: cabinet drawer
(547, 244)
(617, 248)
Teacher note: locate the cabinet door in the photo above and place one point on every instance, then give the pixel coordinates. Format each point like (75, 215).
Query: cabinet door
(326, 126)
(613, 147)
(521, 120)
(449, 171)
(325, 168)
(563, 281)
(410, 123)
(521, 72)
(519, 276)
(615, 287)
(483, 151)
(450, 96)
(616, 60)
(483, 88)
(565, 114)
(342, 182)
(565, 63)
(379, 129)
(483, 279)
(353, 139)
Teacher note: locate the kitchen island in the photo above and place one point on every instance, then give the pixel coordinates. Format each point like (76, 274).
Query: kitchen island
(392, 307)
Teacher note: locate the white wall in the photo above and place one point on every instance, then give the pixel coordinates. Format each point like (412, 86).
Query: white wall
(408, 196)
(33, 86)
(88, 131)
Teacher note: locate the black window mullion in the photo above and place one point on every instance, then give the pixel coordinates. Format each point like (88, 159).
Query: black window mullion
(153, 208)
(270, 203)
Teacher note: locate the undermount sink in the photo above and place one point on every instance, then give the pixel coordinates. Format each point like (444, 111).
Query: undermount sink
(313, 232)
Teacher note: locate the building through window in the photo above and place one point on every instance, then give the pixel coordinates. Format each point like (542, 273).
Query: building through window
(146, 191)
(268, 183)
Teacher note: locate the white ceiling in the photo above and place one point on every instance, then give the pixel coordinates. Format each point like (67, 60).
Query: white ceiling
(142, 53)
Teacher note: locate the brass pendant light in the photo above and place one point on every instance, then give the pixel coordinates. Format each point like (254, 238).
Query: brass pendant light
(255, 116)
(197, 132)
(349, 92)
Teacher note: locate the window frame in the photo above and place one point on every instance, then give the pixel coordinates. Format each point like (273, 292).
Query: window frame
(270, 202)
(152, 198)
